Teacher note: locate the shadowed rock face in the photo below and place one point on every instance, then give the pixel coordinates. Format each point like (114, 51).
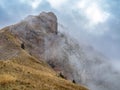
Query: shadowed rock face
(46, 22)
(76, 62)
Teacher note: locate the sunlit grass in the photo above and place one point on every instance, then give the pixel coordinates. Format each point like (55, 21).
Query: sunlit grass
(6, 78)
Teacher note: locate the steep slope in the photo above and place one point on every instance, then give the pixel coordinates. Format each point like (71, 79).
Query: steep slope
(76, 62)
(21, 71)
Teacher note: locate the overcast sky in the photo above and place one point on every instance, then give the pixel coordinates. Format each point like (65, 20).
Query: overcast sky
(94, 21)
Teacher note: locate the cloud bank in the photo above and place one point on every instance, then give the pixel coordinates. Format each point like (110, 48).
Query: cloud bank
(96, 22)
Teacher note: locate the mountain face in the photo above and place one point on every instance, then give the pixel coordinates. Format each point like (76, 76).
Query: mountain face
(19, 67)
(38, 36)
(21, 71)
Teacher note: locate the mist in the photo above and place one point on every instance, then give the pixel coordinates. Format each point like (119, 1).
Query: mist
(91, 21)
(81, 63)
(93, 56)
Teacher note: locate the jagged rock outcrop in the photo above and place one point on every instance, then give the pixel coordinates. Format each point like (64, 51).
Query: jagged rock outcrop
(76, 62)
(45, 22)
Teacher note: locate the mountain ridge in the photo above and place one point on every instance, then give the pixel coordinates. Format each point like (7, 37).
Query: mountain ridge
(39, 37)
(21, 71)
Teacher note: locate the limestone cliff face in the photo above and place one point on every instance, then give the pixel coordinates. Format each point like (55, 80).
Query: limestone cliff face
(75, 61)
(45, 22)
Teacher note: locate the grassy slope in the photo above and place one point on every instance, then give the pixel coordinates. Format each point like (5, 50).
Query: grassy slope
(21, 71)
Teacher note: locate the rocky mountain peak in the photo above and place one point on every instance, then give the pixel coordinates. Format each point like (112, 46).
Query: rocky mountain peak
(33, 31)
(45, 20)
(22, 47)
(38, 36)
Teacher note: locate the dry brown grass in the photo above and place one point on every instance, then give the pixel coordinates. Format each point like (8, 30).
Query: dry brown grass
(6, 78)
(19, 75)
